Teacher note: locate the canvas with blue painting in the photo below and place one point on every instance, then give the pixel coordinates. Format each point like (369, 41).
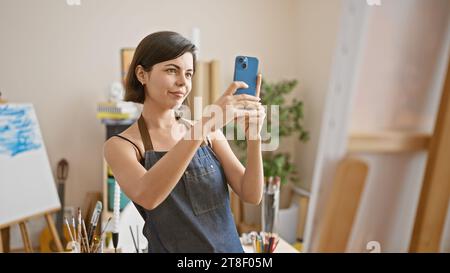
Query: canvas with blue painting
(17, 130)
(26, 180)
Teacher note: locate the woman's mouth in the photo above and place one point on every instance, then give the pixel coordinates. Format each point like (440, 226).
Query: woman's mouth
(177, 94)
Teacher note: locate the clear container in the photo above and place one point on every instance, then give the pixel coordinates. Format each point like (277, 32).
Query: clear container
(270, 206)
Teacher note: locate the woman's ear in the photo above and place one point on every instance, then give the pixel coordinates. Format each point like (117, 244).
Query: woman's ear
(140, 74)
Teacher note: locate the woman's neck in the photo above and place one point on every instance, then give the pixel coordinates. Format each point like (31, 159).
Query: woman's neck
(156, 117)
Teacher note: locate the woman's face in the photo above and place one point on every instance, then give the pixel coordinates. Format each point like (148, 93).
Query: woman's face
(169, 83)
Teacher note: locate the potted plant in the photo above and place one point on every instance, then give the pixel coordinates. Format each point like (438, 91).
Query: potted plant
(290, 120)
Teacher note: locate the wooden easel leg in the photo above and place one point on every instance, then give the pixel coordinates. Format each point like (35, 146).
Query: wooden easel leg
(342, 205)
(4, 240)
(25, 237)
(51, 226)
(435, 193)
(302, 211)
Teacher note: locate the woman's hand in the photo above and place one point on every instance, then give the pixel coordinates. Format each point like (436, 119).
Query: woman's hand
(253, 124)
(229, 106)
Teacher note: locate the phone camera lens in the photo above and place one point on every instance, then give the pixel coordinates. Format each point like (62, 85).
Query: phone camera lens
(244, 65)
(241, 60)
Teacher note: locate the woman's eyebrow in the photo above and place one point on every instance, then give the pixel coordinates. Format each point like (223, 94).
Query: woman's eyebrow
(178, 67)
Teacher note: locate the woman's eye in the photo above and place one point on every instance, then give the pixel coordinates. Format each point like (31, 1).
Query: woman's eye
(188, 75)
(172, 70)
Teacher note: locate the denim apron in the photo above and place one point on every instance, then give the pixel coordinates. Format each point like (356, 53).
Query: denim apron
(196, 216)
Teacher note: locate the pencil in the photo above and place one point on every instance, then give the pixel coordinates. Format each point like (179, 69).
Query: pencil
(92, 243)
(262, 244)
(276, 244)
(74, 229)
(106, 226)
(134, 241)
(85, 233)
(101, 235)
(137, 238)
(68, 227)
(271, 244)
(79, 227)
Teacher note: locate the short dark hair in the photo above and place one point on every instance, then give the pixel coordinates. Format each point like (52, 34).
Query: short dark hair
(155, 48)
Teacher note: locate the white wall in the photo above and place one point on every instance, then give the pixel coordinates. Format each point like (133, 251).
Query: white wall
(63, 58)
(317, 23)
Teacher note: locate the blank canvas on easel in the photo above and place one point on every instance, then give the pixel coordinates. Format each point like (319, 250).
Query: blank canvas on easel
(27, 187)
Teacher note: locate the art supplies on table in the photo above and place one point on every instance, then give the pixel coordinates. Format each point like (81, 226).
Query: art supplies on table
(264, 242)
(94, 219)
(83, 241)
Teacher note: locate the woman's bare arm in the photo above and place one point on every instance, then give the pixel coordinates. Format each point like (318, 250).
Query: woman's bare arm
(247, 183)
(150, 188)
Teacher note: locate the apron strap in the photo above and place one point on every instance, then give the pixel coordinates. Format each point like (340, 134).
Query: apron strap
(145, 134)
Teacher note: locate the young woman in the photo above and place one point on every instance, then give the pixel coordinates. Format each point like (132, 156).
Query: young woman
(179, 183)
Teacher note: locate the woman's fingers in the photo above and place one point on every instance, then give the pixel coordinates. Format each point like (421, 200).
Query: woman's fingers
(246, 97)
(245, 104)
(253, 109)
(235, 86)
(258, 85)
(240, 112)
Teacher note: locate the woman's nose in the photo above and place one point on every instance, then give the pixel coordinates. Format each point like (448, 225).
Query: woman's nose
(181, 80)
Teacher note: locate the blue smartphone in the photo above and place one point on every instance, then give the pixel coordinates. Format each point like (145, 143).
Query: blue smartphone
(246, 70)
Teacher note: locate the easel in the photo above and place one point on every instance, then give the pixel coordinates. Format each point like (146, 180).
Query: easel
(435, 194)
(342, 205)
(5, 228)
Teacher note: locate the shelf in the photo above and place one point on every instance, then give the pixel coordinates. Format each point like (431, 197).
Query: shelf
(113, 127)
(118, 121)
